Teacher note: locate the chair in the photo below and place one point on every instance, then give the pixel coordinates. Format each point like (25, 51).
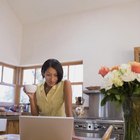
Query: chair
(3, 125)
(108, 132)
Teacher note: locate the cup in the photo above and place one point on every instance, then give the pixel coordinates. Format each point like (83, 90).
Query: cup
(30, 88)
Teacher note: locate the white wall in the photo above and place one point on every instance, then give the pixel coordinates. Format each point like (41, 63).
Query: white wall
(10, 35)
(102, 37)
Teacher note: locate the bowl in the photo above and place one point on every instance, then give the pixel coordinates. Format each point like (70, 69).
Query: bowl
(30, 88)
(93, 88)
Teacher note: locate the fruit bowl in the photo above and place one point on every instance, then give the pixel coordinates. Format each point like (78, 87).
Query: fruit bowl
(93, 88)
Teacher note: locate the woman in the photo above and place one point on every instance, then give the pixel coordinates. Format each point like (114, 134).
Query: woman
(54, 96)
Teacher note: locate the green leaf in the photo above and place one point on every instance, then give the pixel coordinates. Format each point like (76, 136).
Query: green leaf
(136, 90)
(104, 100)
(118, 97)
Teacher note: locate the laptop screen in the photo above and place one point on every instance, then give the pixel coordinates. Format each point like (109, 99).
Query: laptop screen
(45, 128)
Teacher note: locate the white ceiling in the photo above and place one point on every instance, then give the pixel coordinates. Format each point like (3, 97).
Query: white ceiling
(29, 11)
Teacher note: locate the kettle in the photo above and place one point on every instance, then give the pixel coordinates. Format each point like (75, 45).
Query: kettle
(79, 100)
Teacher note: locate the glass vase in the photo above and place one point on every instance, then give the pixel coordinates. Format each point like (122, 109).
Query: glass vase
(131, 113)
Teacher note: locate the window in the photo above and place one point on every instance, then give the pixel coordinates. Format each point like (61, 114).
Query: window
(74, 72)
(30, 76)
(7, 94)
(7, 85)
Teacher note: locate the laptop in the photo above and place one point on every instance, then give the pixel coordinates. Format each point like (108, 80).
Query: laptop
(45, 128)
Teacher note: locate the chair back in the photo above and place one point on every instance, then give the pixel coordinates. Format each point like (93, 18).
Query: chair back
(108, 132)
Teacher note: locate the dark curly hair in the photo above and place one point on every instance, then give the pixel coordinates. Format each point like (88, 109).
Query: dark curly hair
(54, 64)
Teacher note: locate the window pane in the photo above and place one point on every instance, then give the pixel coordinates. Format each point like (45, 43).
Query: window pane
(76, 73)
(0, 72)
(28, 76)
(8, 75)
(39, 78)
(6, 94)
(23, 96)
(65, 70)
(76, 91)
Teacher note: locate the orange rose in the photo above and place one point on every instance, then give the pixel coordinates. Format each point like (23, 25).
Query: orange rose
(103, 71)
(135, 67)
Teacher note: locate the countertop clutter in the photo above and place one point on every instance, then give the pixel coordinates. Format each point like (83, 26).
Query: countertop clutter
(13, 115)
(8, 114)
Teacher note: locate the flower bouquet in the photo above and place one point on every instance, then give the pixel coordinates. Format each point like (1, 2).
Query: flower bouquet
(122, 84)
(120, 81)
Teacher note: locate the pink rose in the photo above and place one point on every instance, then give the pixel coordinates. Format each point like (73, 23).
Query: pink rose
(103, 71)
(135, 67)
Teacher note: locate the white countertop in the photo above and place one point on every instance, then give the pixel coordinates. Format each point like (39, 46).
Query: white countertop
(17, 137)
(85, 138)
(10, 137)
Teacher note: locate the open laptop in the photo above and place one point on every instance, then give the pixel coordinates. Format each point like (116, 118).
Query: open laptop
(45, 128)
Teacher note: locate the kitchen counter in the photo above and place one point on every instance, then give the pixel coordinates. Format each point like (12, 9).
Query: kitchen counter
(17, 137)
(12, 122)
(12, 115)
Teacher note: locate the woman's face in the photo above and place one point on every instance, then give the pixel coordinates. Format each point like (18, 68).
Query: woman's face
(51, 77)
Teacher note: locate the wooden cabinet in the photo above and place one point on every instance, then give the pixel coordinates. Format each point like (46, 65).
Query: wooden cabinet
(137, 54)
(12, 127)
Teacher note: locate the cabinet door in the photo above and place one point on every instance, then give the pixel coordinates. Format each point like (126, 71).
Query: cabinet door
(13, 127)
(137, 54)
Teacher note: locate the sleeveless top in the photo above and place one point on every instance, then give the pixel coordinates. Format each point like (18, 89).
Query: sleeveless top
(51, 104)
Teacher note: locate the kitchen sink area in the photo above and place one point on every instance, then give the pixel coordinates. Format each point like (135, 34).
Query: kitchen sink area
(96, 127)
(98, 118)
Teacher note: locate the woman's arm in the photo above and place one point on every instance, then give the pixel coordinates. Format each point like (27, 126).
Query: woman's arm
(34, 108)
(68, 98)
(33, 102)
(68, 103)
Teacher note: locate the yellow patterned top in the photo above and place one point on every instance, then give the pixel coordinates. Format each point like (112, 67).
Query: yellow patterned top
(53, 103)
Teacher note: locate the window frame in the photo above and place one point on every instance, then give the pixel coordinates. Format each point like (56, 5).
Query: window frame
(35, 67)
(14, 76)
(14, 79)
(70, 64)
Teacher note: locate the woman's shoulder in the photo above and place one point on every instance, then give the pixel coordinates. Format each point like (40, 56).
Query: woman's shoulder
(66, 82)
